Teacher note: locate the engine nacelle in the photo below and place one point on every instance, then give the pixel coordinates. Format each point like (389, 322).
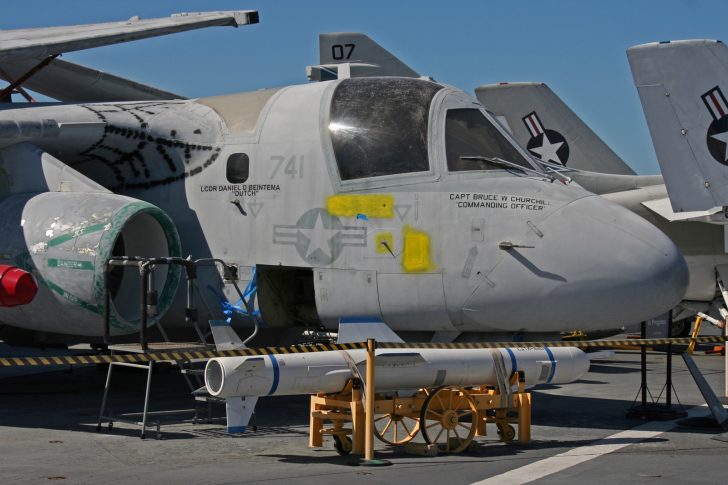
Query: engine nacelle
(64, 239)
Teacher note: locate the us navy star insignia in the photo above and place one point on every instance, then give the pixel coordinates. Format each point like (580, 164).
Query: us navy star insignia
(319, 237)
(547, 150)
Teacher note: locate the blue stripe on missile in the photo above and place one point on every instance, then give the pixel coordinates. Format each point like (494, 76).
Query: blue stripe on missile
(553, 364)
(514, 364)
(360, 320)
(276, 374)
(236, 429)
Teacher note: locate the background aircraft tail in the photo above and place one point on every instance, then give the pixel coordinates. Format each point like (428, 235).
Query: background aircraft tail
(681, 86)
(551, 131)
(363, 56)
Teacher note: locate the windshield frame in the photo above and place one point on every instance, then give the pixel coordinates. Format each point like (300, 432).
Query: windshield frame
(382, 181)
(457, 100)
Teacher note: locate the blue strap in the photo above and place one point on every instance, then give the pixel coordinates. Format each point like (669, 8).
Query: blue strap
(241, 305)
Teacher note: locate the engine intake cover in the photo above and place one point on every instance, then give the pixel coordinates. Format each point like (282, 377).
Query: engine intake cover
(64, 240)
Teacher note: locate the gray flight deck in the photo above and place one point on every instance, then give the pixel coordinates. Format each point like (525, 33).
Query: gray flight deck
(48, 433)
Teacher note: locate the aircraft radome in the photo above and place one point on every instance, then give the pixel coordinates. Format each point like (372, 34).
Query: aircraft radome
(395, 198)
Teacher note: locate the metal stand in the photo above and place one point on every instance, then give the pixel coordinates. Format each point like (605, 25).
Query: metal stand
(654, 411)
(148, 307)
(148, 296)
(133, 418)
(123, 418)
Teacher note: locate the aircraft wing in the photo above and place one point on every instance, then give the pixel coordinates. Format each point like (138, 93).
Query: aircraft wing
(74, 83)
(41, 42)
(663, 208)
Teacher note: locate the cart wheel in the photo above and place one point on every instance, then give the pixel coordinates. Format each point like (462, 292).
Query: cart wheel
(395, 429)
(342, 444)
(506, 432)
(448, 418)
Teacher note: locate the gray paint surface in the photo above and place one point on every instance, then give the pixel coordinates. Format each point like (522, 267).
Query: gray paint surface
(579, 261)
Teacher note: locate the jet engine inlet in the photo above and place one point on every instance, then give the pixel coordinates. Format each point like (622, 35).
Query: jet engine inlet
(65, 239)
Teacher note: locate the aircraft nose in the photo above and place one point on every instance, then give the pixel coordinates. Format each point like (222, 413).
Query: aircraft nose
(592, 265)
(627, 269)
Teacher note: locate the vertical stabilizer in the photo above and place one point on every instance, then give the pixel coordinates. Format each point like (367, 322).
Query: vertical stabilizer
(551, 131)
(363, 56)
(683, 87)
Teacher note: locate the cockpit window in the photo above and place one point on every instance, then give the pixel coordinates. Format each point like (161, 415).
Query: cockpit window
(468, 133)
(378, 126)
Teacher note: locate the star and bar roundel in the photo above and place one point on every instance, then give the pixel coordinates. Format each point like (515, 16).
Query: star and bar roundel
(717, 136)
(548, 145)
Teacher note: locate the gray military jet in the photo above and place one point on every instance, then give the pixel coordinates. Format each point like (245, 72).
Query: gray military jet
(389, 197)
(543, 124)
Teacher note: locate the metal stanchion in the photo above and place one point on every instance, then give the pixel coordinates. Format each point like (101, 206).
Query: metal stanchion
(725, 360)
(143, 323)
(369, 438)
(107, 306)
(369, 459)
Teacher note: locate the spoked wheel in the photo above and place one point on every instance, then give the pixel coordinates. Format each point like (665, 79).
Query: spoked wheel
(448, 418)
(395, 429)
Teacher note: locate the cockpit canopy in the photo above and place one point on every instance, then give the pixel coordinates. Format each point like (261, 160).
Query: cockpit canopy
(380, 126)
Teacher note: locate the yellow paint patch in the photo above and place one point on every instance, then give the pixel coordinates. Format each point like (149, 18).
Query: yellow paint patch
(351, 205)
(416, 254)
(381, 239)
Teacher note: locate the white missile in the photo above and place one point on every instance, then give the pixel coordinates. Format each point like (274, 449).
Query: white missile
(241, 380)
(396, 369)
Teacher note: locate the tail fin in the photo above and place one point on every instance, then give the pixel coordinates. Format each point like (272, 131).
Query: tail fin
(359, 329)
(363, 56)
(224, 336)
(239, 410)
(544, 124)
(681, 88)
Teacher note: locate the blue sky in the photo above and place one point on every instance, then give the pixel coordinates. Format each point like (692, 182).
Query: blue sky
(577, 47)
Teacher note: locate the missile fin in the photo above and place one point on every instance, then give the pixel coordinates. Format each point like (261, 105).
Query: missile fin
(251, 364)
(359, 329)
(224, 336)
(239, 410)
